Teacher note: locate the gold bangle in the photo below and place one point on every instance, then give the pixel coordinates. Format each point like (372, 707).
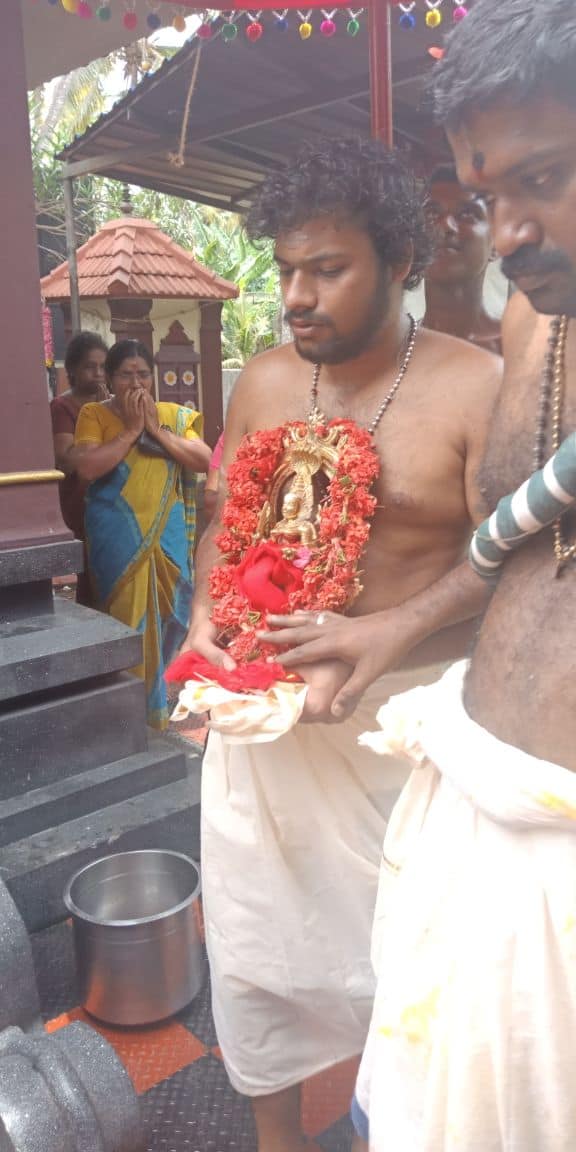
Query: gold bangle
(48, 475)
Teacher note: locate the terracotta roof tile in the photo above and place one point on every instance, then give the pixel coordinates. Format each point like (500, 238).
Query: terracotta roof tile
(132, 257)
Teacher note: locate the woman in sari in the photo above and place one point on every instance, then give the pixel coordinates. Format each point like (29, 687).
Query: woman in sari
(140, 461)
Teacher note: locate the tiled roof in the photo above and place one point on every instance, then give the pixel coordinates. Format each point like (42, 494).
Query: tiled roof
(132, 257)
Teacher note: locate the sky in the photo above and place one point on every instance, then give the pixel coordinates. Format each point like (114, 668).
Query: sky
(164, 38)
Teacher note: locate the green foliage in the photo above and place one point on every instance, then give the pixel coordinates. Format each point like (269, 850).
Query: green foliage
(216, 238)
(249, 325)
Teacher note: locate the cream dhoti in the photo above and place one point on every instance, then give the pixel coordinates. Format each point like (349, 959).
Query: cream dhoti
(473, 1033)
(292, 837)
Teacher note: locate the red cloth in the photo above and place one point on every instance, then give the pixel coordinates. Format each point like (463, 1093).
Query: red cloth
(267, 579)
(258, 676)
(64, 415)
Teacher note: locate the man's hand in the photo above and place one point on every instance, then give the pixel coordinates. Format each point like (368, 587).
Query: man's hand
(201, 638)
(369, 645)
(324, 681)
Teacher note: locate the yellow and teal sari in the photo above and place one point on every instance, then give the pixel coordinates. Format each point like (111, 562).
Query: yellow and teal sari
(140, 528)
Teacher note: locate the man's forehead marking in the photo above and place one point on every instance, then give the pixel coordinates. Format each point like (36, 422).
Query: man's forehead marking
(547, 154)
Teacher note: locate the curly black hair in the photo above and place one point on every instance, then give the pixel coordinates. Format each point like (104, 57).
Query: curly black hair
(513, 50)
(353, 178)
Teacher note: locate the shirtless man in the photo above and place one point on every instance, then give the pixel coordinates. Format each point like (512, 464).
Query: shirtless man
(454, 282)
(474, 1028)
(292, 831)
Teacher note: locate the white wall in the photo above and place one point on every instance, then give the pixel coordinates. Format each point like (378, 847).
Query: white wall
(164, 312)
(495, 294)
(95, 316)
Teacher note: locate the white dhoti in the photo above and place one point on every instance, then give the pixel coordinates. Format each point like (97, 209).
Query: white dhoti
(472, 1043)
(292, 838)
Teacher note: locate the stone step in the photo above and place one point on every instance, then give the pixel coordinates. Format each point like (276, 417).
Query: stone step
(99, 787)
(66, 646)
(70, 731)
(37, 869)
(32, 563)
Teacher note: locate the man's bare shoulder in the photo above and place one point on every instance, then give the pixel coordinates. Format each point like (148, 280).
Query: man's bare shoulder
(470, 373)
(274, 386)
(442, 347)
(269, 364)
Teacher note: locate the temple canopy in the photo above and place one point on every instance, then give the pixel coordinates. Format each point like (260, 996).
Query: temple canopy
(57, 39)
(253, 104)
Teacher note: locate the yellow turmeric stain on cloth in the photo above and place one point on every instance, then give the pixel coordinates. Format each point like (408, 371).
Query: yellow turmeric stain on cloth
(416, 1020)
(557, 804)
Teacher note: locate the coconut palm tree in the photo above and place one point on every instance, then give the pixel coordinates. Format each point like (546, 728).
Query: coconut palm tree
(73, 102)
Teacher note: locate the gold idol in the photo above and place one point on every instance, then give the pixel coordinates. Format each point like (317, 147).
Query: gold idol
(290, 513)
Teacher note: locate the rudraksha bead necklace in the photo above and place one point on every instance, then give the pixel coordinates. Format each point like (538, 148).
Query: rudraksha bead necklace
(552, 391)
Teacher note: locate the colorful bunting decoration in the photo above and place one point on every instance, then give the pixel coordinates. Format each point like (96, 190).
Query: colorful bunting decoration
(236, 17)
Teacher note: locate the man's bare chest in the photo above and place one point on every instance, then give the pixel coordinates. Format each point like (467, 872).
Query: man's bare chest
(519, 414)
(419, 448)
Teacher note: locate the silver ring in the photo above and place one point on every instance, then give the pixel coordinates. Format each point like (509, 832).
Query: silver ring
(321, 619)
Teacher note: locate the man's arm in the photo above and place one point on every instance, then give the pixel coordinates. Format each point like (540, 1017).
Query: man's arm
(460, 595)
(375, 644)
(211, 493)
(213, 480)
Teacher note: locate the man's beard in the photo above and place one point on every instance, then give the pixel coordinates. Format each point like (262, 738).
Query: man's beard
(335, 349)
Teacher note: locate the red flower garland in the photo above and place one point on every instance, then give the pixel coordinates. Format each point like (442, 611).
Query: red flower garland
(261, 576)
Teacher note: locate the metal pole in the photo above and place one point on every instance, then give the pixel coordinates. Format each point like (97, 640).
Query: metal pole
(71, 253)
(381, 71)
